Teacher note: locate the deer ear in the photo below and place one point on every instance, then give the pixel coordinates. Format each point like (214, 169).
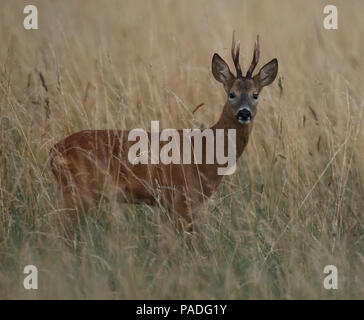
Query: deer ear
(267, 73)
(221, 70)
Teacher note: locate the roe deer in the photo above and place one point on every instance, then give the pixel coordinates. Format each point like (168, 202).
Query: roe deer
(92, 163)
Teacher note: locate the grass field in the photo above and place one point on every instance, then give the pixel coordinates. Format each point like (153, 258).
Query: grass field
(295, 204)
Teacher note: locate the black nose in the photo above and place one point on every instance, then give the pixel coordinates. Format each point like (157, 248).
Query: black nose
(244, 115)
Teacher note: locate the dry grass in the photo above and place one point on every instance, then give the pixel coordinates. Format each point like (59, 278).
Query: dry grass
(296, 202)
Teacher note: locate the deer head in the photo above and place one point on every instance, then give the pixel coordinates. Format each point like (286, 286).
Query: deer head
(243, 91)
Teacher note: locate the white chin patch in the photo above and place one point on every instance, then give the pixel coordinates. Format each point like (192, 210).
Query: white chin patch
(244, 121)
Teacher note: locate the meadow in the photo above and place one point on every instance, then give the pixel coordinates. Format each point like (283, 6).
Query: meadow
(295, 203)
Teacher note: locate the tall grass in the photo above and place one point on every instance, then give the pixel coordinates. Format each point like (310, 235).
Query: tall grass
(295, 203)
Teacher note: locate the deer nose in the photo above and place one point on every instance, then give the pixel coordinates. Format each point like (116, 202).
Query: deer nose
(244, 115)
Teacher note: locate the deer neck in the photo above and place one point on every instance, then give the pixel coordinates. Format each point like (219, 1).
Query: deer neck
(227, 121)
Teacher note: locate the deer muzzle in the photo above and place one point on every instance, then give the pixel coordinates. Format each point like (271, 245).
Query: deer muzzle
(244, 115)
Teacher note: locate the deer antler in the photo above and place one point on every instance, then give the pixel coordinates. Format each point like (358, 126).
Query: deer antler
(235, 49)
(255, 58)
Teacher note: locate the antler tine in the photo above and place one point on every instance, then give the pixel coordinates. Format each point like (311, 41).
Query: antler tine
(235, 50)
(255, 58)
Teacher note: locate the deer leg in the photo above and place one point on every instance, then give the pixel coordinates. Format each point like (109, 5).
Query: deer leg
(70, 208)
(186, 222)
(68, 217)
(184, 211)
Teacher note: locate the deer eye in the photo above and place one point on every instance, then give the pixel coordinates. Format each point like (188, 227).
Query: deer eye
(255, 95)
(232, 95)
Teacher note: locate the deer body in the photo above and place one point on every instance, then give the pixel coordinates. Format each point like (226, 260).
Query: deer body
(94, 163)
